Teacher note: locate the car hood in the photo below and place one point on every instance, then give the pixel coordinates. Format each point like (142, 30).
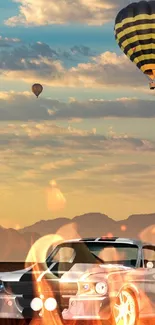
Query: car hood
(81, 271)
(36, 270)
(77, 272)
(15, 275)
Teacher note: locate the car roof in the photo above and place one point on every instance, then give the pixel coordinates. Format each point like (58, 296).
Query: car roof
(110, 239)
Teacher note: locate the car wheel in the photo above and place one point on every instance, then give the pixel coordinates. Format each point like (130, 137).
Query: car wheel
(124, 310)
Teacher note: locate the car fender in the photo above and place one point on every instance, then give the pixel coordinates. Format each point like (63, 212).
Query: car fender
(14, 276)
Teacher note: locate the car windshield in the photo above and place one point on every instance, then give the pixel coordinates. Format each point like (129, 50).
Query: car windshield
(90, 252)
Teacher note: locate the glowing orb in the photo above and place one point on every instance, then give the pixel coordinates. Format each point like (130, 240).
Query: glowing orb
(109, 235)
(10, 303)
(123, 228)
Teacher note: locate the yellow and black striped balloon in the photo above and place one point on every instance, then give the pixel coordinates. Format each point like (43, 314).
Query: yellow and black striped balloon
(135, 34)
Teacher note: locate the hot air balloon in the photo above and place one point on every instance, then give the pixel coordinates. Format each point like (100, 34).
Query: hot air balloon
(135, 34)
(37, 89)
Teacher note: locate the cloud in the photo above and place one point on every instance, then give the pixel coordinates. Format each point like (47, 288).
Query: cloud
(7, 42)
(117, 171)
(135, 178)
(72, 159)
(24, 107)
(131, 168)
(81, 50)
(32, 140)
(30, 174)
(103, 71)
(38, 58)
(91, 12)
(75, 120)
(58, 164)
(34, 130)
(5, 95)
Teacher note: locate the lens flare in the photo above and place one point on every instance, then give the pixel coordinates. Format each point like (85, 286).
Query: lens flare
(123, 227)
(109, 235)
(10, 303)
(69, 231)
(55, 198)
(38, 251)
(111, 254)
(148, 234)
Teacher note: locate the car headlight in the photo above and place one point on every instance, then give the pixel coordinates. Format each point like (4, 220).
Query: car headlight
(36, 304)
(101, 288)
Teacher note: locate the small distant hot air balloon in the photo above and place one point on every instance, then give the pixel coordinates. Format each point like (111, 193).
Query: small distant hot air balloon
(135, 35)
(37, 89)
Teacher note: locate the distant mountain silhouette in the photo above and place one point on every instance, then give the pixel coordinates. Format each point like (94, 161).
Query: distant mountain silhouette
(96, 225)
(16, 244)
(45, 227)
(136, 223)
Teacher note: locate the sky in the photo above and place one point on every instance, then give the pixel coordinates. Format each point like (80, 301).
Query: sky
(87, 144)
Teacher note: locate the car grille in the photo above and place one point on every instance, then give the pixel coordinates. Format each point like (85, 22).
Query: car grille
(19, 288)
(26, 292)
(28, 288)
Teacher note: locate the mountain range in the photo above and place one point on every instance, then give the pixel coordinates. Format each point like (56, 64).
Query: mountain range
(15, 244)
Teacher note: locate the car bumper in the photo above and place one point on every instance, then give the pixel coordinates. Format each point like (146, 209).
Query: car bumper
(88, 307)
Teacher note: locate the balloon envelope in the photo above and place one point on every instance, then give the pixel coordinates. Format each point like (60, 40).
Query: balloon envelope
(37, 89)
(135, 35)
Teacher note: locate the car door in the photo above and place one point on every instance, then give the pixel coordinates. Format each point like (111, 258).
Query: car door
(149, 272)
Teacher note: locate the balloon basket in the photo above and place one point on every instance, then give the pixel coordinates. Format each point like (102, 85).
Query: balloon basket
(152, 85)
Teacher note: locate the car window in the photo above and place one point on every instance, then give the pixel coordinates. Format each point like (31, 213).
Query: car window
(149, 256)
(64, 254)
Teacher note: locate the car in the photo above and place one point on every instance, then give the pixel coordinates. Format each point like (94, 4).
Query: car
(86, 279)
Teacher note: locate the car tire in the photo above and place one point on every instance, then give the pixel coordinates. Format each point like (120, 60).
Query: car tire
(125, 309)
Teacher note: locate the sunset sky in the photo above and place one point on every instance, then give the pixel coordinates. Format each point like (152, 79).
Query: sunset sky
(88, 143)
